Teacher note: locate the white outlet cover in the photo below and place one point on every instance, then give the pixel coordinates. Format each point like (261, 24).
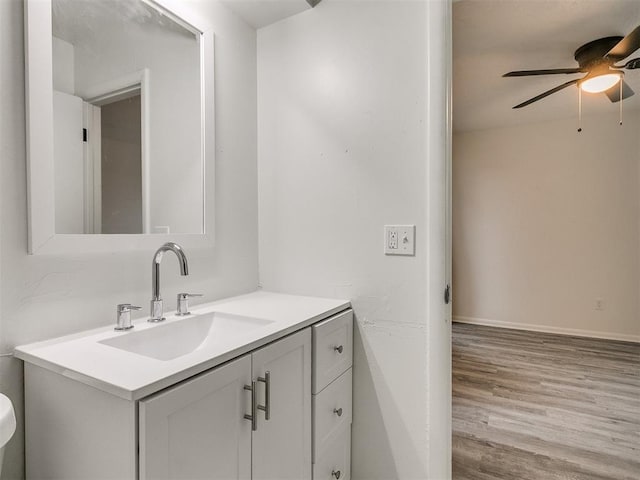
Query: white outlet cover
(400, 239)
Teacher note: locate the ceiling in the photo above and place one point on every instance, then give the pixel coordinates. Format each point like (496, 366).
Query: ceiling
(260, 13)
(492, 37)
(78, 22)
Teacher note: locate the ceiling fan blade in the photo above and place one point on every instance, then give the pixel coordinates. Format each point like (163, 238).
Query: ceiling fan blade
(555, 71)
(614, 92)
(626, 46)
(547, 93)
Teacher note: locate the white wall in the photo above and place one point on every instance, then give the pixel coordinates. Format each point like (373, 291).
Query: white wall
(68, 145)
(342, 114)
(546, 221)
(63, 66)
(47, 296)
(69, 164)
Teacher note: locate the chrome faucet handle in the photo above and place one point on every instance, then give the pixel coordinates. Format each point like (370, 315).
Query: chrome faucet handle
(157, 310)
(123, 319)
(183, 303)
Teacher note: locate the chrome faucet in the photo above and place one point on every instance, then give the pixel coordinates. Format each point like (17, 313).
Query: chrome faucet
(156, 299)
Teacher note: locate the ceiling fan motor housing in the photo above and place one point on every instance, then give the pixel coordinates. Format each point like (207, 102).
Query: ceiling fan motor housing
(592, 54)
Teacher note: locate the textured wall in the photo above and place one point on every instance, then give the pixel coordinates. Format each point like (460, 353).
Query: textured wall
(342, 120)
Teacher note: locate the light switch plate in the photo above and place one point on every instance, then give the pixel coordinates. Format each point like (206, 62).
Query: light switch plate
(400, 239)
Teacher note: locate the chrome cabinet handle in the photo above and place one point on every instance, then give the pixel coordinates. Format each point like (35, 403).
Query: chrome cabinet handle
(335, 473)
(254, 414)
(338, 349)
(338, 411)
(266, 408)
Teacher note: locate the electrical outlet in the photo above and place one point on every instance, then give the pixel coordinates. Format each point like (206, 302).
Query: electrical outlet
(392, 239)
(399, 239)
(599, 304)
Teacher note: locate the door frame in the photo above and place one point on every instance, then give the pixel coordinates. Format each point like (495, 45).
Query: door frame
(438, 221)
(118, 89)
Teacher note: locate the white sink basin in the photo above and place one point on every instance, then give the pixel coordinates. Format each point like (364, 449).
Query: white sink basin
(181, 337)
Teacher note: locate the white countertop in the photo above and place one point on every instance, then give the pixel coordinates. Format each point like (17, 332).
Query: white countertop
(131, 376)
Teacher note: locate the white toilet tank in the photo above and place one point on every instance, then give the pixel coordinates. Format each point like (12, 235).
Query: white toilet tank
(7, 424)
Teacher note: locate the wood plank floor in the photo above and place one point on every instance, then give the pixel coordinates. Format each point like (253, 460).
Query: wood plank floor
(529, 405)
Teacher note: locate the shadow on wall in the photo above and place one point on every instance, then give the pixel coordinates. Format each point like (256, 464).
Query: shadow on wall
(372, 454)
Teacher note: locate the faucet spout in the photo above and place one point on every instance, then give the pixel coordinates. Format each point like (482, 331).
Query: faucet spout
(156, 299)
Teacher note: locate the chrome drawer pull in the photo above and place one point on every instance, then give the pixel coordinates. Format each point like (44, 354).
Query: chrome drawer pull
(336, 474)
(338, 349)
(338, 411)
(266, 408)
(254, 414)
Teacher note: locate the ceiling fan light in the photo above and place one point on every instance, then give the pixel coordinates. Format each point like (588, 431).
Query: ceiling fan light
(600, 83)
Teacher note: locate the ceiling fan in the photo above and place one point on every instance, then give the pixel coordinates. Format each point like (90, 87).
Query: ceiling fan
(597, 59)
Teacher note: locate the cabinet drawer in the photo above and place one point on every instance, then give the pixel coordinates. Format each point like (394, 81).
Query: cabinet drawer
(334, 463)
(332, 349)
(331, 412)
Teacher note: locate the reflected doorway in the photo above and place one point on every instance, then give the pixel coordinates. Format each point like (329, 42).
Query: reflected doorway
(118, 200)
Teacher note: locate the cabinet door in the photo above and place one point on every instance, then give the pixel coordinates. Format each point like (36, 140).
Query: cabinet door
(197, 430)
(282, 444)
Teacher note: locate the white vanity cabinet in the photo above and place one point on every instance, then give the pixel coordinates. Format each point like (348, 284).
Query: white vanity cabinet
(332, 397)
(279, 409)
(198, 428)
(281, 446)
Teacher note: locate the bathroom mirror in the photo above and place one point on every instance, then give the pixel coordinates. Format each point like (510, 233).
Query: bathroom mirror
(120, 125)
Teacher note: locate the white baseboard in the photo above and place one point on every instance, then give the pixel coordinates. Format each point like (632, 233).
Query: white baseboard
(548, 329)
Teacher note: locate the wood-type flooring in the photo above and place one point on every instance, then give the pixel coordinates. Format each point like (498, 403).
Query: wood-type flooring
(539, 406)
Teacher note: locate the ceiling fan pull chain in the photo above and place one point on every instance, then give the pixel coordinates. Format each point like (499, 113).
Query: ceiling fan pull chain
(621, 99)
(579, 109)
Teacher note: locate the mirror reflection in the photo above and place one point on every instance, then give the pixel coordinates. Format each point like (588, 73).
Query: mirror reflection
(127, 98)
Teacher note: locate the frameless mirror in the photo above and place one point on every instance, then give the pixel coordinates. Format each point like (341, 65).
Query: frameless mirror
(117, 122)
